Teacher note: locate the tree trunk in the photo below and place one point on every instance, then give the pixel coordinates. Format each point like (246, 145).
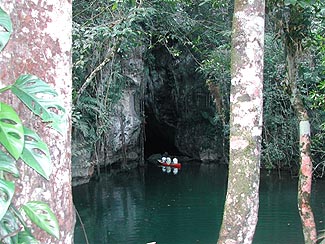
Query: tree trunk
(306, 166)
(41, 45)
(246, 108)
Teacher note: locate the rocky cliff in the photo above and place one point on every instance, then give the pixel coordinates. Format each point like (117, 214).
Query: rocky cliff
(165, 107)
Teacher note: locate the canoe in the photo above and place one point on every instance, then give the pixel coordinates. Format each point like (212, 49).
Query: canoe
(178, 165)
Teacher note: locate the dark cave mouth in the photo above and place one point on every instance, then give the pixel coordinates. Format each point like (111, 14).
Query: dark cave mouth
(159, 137)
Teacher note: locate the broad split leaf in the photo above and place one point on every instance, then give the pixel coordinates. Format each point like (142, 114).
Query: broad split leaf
(41, 214)
(7, 189)
(39, 97)
(8, 164)
(6, 30)
(36, 154)
(8, 225)
(11, 130)
(25, 238)
(60, 124)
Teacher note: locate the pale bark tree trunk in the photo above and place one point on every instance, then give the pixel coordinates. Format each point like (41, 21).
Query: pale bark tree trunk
(246, 99)
(306, 166)
(41, 45)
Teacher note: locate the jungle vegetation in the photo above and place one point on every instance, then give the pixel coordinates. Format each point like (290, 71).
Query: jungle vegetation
(106, 32)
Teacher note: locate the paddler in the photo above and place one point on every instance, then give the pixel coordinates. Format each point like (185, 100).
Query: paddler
(175, 170)
(168, 160)
(163, 160)
(175, 161)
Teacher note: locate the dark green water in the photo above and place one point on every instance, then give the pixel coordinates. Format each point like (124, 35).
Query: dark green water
(149, 205)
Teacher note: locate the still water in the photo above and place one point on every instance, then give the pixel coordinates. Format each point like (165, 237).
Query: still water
(150, 205)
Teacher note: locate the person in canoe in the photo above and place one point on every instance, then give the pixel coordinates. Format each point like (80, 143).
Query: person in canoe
(175, 161)
(175, 170)
(163, 160)
(168, 160)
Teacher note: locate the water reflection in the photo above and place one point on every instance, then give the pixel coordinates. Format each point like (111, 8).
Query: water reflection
(151, 205)
(167, 169)
(109, 208)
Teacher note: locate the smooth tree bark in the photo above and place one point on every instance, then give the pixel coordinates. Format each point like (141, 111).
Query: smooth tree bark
(246, 102)
(293, 48)
(306, 165)
(41, 45)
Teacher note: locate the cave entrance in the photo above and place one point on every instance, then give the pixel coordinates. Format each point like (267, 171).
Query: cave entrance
(159, 137)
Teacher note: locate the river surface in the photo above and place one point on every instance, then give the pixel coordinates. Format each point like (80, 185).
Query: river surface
(150, 205)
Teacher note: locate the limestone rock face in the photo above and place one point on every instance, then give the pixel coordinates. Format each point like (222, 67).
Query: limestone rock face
(125, 130)
(122, 145)
(165, 107)
(126, 119)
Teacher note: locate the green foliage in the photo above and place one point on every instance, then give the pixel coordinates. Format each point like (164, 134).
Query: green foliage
(8, 225)
(21, 142)
(298, 25)
(41, 99)
(5, 22)
(317, 95)
(279, 147)
(41, 214)
(25, 238)
(8, 164)
(114, 31)
(280, 135)
(7, 189)
(11, 130)
(36, 154)
(201, 31)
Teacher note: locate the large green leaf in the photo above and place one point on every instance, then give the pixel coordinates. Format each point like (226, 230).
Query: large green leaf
(39, 97)
(25, 238)
(7, 189)
(11, 130)
(8, 164)
(5, 33)
(41, 214)
(36, 154)
(60, 124)
(8, 225)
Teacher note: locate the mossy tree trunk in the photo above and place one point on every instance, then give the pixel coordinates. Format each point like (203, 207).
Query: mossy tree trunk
(246, 107)
(41, 45)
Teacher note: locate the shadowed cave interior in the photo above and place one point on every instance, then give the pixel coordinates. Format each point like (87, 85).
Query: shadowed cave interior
(159, 137)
